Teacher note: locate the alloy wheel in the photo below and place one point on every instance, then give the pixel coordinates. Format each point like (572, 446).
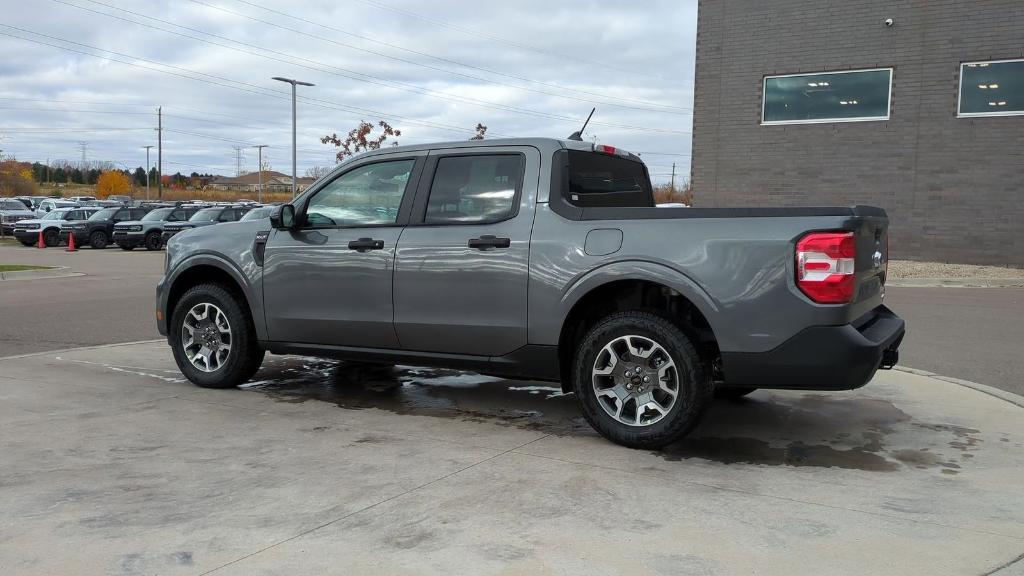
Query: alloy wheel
(635, 380)
(206, 337)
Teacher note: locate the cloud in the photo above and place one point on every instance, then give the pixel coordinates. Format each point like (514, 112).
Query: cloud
(95, 70)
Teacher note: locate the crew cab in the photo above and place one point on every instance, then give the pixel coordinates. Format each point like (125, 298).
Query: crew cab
(539, 259)
(148, 231)
(206, 217)
(27, 231)
(11, 212)
(99, 228)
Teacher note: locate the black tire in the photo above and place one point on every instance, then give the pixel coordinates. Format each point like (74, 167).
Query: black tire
(245, 356)
(153, 241)
(98, 240)
(51, 237)
(27, 242)
(694, 388)
(126, 247)
(733, 392)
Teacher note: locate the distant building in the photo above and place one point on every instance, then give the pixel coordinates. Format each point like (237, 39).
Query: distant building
(272, 182)
(917, 107)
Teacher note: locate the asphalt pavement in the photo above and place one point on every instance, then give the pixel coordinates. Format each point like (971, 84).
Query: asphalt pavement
(968, 333)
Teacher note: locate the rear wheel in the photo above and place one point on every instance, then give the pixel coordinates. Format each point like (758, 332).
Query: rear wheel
(213, 338)
(153, 241)
(51, 237)
(98, 240)
(639, 380)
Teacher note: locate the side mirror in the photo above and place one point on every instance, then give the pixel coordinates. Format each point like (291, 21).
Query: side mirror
(283, 217)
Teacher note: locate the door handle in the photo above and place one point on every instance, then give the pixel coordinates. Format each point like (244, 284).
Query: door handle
(488, 241)
(366, 244)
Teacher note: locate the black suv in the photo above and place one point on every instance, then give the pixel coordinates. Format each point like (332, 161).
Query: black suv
(99, 228)
(207, 217)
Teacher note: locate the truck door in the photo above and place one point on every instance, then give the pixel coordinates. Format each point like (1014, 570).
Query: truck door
(329, 282)
(461, 271)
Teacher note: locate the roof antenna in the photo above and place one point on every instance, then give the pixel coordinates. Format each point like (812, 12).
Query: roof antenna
(578, 135)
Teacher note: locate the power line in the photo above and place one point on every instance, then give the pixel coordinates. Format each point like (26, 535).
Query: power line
(451, 61)
(343, 72)
(493, 38)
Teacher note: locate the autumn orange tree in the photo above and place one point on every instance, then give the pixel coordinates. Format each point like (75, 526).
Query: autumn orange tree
(481, 130)
(359, 139)
(16, 178)
(112, 182)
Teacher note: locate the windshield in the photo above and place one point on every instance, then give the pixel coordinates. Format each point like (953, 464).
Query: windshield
(257, 214)
(53, 215)
(160, 214)
(205, 215)
(104, 214)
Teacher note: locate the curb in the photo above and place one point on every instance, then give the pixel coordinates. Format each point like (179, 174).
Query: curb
(954, 283)
(79, 348)
(1015, 399)
(54, 272)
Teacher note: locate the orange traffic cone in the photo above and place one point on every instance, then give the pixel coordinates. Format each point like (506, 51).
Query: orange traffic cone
(71, 243)
(40, 243)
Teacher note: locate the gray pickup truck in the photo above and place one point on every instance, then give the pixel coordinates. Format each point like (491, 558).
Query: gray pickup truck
(539, 259)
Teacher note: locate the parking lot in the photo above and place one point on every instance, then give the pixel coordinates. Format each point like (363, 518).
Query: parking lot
(115, 464)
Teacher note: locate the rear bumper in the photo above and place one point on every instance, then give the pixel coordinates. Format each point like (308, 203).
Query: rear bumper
(822, 357)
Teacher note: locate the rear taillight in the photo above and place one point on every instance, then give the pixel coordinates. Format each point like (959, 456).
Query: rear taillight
(825, 266)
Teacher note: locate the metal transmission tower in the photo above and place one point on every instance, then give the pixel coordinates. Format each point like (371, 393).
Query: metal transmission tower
(239, 159)
(84, 147)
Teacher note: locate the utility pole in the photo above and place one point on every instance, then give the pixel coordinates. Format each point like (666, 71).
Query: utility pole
(295, 176)
(259, 170)
(84, 146)
(147, 170)
(673, 177)
(159, 153)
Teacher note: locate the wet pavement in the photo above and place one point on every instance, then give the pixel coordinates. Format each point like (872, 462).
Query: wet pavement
(114, 464)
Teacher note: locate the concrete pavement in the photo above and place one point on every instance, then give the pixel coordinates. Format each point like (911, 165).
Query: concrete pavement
(113, 464)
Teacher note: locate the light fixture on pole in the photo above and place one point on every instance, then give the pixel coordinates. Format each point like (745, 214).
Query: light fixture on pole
(147, 171)
(259, 172)
(294, 83)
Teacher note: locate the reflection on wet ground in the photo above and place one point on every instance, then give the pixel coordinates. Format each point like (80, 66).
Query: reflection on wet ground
(790, 429)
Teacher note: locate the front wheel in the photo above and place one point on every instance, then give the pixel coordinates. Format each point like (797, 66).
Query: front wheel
(639, 380)
(213, 338)
(98, 240)
(51, 238)
(153, 241)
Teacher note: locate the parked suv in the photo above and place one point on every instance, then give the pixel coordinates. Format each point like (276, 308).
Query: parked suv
(539, 259)
(147, 231)
(99, 228)
(206, 217)
(11, 211)
(50, 204)
(27, 231)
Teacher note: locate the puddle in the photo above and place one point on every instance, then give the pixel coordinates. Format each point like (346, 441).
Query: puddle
(785, 429)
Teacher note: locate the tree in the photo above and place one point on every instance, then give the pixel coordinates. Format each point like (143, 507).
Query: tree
(16, 178)
(140, 176)
(480, 131)
(666, 194)
(317, 171)
(359, 139)
(112, 182)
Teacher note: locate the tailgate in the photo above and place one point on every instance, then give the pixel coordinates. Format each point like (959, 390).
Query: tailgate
(872, 235)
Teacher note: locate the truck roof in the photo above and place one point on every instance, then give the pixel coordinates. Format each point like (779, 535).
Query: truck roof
(542, 143)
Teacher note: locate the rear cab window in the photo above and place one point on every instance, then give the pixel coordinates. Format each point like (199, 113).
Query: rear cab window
(606, 181)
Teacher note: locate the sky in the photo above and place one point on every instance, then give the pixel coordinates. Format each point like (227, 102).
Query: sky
(91, 73)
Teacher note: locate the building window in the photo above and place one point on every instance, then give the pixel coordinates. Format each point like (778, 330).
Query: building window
(992, 88)
(851, 96)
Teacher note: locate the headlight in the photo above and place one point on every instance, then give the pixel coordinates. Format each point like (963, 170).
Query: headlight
(30, 226)
(135, 228)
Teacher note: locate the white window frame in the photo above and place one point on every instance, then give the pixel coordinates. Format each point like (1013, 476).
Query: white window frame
(960, 92)
(888, 103)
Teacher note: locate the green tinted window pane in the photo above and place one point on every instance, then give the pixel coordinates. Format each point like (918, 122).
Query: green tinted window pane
(827, 97)
(992, 88)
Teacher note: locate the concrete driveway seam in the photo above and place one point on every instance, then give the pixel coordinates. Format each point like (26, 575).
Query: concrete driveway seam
(1015, 399)
(768, 496)
(78, 349)
(375, 504)
(58, 272)
(1011, 568)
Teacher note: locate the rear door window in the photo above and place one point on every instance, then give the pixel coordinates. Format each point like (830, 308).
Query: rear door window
(474, 189)
(602, 180)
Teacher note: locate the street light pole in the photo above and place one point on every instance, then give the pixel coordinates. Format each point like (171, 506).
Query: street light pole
(293, 82)
(147, 171)
(259, 171)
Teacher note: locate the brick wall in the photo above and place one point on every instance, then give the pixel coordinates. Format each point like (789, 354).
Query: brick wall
(954, 188)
